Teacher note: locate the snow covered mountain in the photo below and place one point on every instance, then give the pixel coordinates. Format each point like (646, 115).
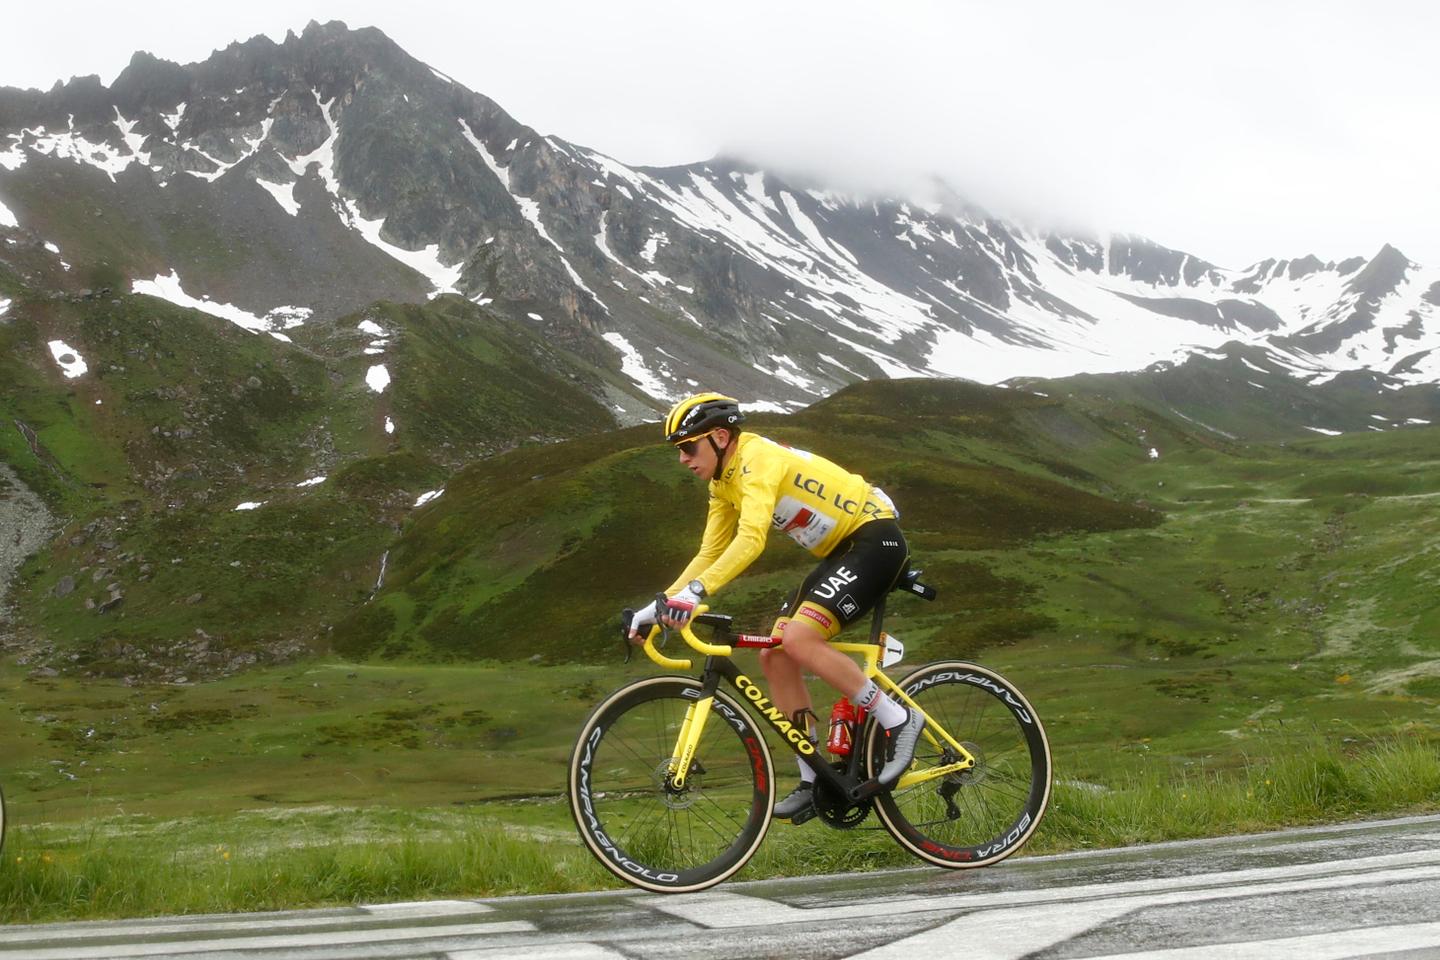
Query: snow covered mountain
(274, 183)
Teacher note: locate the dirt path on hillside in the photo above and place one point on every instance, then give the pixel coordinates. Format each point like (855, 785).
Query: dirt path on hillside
(25, 526)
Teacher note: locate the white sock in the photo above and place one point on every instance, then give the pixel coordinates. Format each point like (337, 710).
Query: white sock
(807, 775)
(887, 711)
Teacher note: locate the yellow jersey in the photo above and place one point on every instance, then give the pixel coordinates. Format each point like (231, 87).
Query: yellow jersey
(767, 484)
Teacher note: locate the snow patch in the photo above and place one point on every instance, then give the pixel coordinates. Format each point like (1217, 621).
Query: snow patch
(1328, 433)
(425, 498)
(168, 287)
(7, 219)
(632, 364)
(252, 504)
(652, 246)
(313, 481)
(770, 406)
(68, 359)
(788, 370)
(389, 425)
(71, 145)
(284, 194)
(377, 378)
(13, 157)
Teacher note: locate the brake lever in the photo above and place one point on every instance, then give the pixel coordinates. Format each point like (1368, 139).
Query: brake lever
(626, 616)
(662, 611)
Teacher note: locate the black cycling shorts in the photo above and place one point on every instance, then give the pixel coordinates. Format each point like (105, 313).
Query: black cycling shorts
(851, 580)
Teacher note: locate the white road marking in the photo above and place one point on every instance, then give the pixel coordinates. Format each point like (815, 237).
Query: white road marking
(328, 938)
(1003, 934)
(92, 930)
(554, 951)
(1340, 945)
(427, 908)
(721, 909)
(1015, 933)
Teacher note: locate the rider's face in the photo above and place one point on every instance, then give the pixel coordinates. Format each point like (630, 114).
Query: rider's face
(700, 459)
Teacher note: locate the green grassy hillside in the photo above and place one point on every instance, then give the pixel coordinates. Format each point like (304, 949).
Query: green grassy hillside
(534, 553)
(183, 417)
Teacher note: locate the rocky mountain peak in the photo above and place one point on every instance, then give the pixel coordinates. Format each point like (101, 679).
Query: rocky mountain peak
(333, 169)
(1382, 274)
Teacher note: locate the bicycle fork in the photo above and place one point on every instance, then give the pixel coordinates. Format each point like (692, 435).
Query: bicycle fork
(689, 740)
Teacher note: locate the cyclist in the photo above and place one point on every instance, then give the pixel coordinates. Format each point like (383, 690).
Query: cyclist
(756, 483)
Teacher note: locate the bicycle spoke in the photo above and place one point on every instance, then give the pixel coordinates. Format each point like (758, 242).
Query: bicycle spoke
(969, 817)
(636, 821)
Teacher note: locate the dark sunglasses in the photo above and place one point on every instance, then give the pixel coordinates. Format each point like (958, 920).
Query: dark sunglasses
(688, 447)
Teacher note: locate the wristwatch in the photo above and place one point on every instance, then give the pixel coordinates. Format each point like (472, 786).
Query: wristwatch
(697, 588)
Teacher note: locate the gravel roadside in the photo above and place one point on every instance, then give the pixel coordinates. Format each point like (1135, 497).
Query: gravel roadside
(25, 526)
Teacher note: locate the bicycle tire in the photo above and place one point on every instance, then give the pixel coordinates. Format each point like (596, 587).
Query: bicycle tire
(653, 837)
(2, 820)
(980, 816)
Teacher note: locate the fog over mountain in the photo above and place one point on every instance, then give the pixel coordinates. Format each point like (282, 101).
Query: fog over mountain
(1280, 130)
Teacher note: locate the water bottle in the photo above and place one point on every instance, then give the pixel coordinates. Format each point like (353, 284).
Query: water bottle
(842, 727)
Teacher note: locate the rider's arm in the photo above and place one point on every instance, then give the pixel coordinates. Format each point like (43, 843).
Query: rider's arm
(759, 491)
(719, 530)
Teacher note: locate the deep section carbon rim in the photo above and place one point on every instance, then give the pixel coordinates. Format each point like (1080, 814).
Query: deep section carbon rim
(978, 816)
(627, 809)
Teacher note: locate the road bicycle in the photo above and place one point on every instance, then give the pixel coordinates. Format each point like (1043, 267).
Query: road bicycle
(672, 785)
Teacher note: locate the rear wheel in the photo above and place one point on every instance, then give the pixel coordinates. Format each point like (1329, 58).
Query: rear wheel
(630, 814)
(978, 816)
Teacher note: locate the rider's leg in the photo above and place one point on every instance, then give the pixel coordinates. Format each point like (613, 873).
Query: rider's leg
(807, 650)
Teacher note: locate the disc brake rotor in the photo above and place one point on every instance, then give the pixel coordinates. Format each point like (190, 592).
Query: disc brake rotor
(679, 798)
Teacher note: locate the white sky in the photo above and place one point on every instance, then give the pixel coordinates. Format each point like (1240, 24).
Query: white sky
(1233, 129)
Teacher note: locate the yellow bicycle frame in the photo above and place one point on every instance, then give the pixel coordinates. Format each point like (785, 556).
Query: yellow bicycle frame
(693, 726)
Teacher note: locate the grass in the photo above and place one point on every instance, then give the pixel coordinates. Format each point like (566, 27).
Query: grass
(1314, 780)
(137, 865)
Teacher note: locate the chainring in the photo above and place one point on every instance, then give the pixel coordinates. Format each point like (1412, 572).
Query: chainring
(838, 810)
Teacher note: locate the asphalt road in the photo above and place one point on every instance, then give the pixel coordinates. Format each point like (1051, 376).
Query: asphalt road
(1366, 890)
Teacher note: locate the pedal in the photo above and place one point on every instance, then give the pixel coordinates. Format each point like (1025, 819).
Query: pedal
(804, 816)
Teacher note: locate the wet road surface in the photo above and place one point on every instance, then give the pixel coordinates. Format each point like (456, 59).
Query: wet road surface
(1365, 890)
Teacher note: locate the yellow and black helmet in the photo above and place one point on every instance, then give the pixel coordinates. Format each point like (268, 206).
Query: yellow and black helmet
(696, 416)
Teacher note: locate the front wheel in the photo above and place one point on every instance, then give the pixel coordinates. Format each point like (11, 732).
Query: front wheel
(981, 815)
(628, 811)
